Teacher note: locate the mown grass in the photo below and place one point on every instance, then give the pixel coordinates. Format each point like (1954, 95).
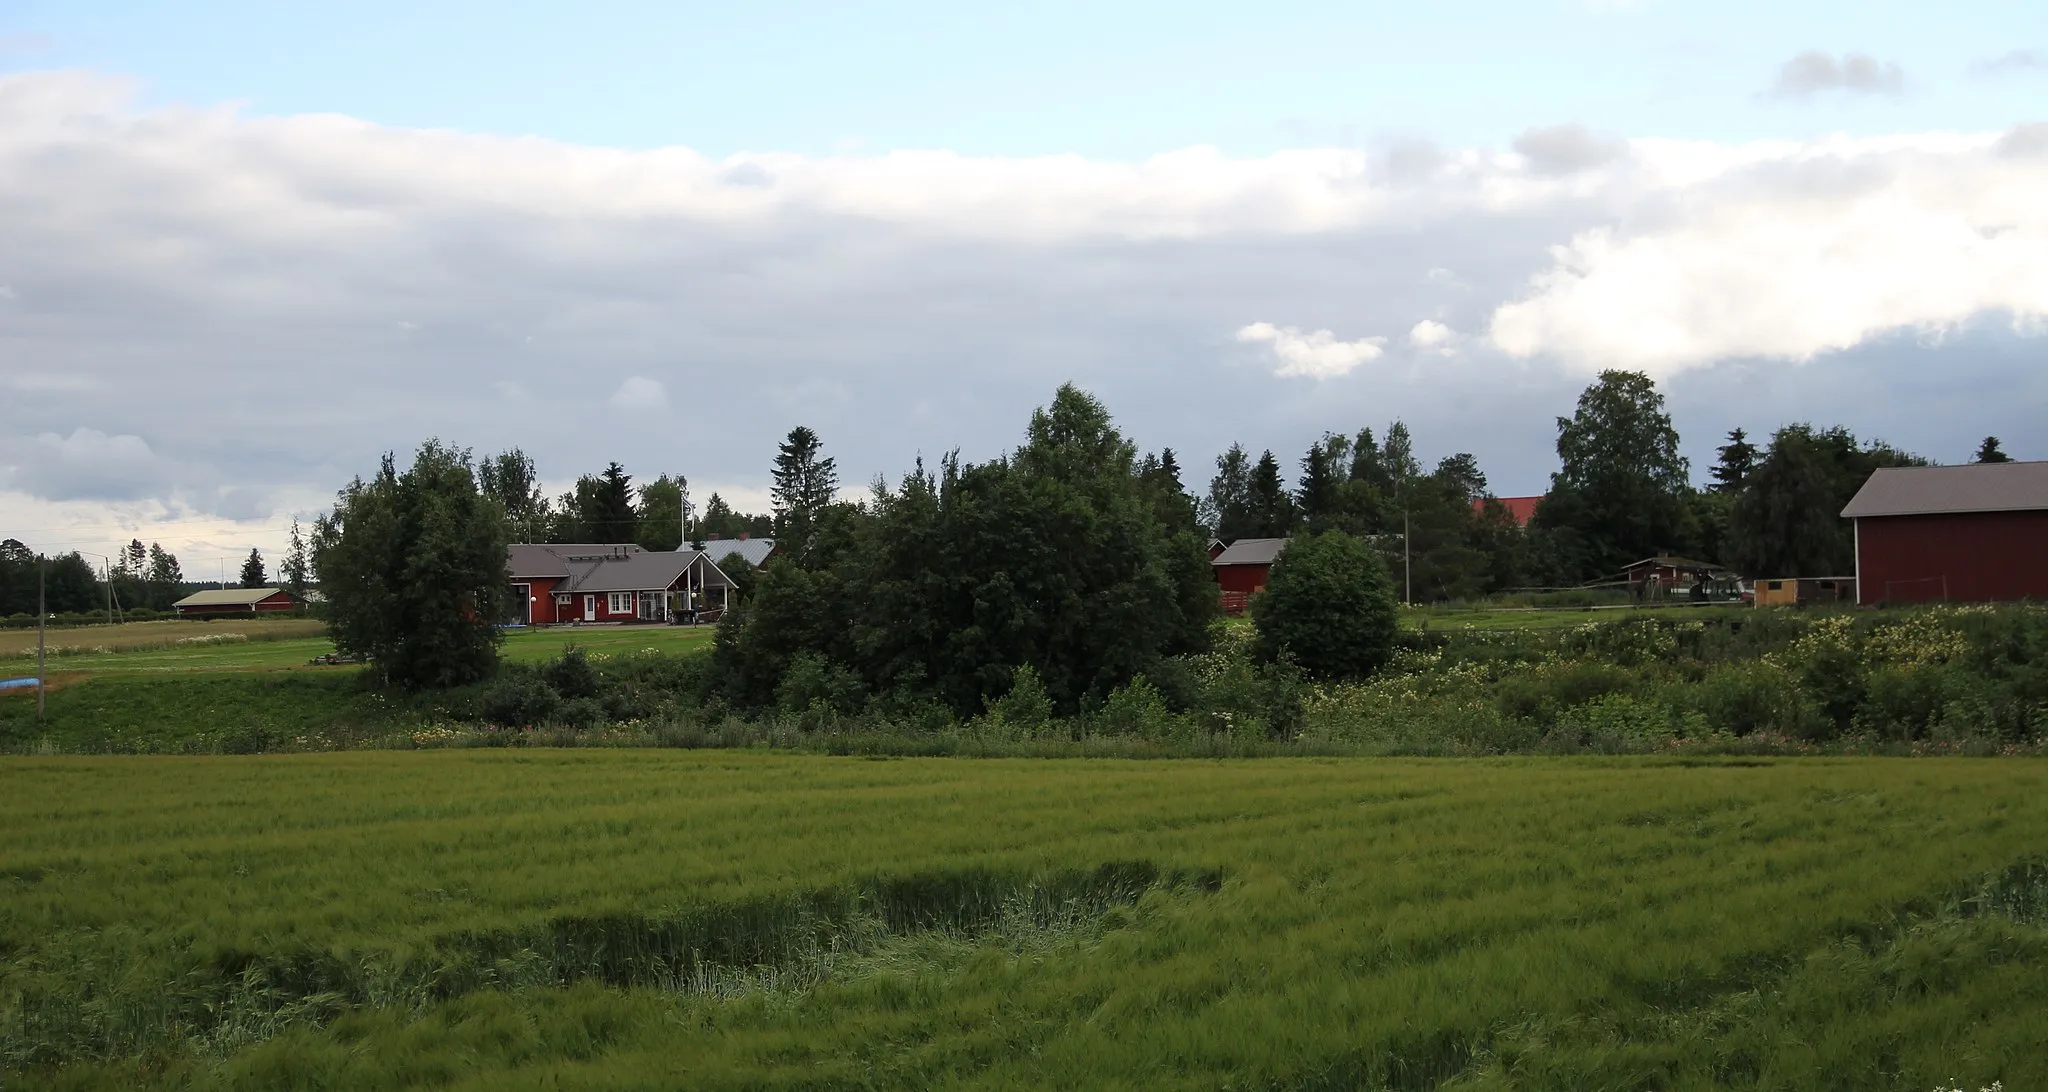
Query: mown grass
(71, 641)
(412, 920)
(272, 647)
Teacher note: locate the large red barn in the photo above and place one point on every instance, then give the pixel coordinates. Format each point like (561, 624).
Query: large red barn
(1977, 532)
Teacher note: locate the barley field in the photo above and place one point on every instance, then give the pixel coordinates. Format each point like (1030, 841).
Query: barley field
(662, 919)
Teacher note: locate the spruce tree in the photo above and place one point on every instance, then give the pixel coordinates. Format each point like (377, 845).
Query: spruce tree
(1736, 463)
(1989, 452)
(801, 486)
(253, 574)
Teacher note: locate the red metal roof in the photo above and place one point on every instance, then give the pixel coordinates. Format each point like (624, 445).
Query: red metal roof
(1521, 509)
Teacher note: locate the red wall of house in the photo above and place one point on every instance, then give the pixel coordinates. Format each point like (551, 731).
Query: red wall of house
(1972, 556)
(542, 589)
(1242, 578)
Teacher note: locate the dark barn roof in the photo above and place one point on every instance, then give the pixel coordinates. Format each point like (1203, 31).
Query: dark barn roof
(1251, 551)
(1941, 490)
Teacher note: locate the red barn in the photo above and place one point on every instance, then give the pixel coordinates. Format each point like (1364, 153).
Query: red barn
(1242, 567)
(1974, 532)
(233, 601)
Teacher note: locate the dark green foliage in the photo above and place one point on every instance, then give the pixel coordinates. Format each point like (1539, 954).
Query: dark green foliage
(607, 511)
(804, 484)
(1990, 452)
(1787, 521)
(297, 570)
(1054, 557)
(253, 574)
(1737, 461)
(661, 513)
(1227, 511)
(413, 566)
(745, 578)
(512, 480)
(719, 521)
(1620, 494)
(1329, 606)
(1272, 513)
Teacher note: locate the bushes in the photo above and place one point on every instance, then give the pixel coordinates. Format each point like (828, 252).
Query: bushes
(1329, 606)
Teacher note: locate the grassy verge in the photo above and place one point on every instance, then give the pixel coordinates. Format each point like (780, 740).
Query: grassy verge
(717, 920)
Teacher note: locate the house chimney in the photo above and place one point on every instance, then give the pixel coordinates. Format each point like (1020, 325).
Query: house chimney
(743, 536)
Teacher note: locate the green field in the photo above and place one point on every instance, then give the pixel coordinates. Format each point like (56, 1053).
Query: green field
(660, 919)
(264, 650)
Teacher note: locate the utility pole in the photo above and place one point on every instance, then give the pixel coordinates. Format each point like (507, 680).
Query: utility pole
(1407, 580)
(42, 615)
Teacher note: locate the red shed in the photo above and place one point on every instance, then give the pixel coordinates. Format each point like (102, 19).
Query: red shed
(1242, 567)
(1974, 532)
(1519, 509)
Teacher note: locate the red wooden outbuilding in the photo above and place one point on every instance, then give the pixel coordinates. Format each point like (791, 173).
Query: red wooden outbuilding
(233, 601)
(1977, 532)
(1242, 567)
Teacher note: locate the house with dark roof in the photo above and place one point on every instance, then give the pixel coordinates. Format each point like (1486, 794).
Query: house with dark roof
(235, 601)
(599, 582)
(1242, 567)
(1977, 532)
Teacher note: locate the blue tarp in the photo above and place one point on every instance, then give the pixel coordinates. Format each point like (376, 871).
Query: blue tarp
(16, 684)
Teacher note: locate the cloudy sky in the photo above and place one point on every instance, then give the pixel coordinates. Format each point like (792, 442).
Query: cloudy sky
(244, 250)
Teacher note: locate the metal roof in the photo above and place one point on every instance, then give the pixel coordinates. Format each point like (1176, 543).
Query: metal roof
(755, 550)
(1251, 551)
(530, 559)
(1935, 490)
(227, 597)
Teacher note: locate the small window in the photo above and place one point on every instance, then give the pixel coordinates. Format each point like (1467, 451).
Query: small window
(621, 602)
(1776, 585)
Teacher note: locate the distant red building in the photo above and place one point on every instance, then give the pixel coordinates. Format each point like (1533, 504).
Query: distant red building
(1520, 509)
(1977, 532)
(1241, 569)
(229, 601)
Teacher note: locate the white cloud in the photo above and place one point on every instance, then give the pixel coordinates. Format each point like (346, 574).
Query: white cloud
(1566, 149)
(641, 393)
(1813, 72)
(229, 286)
(1792, 256)
(87, 464)
(1317, 354)
(2009, 62)
(1430, 334)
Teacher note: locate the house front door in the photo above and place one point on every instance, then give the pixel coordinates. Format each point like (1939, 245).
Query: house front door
(590, 608)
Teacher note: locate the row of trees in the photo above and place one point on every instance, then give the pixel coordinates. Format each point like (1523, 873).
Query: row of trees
(1622, 492)
(606, 507)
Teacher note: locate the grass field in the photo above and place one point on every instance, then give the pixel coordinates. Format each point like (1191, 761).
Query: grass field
(661, 919)
(294, 643)
(140, 636)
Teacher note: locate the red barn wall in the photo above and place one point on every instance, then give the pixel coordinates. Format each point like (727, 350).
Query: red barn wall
(1970, 556)
(1242, 578)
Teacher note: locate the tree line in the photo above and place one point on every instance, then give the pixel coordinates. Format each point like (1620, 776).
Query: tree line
(607, 507)
(1621, 493)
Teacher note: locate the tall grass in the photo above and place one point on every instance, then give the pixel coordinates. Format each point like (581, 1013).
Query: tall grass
(593, 918)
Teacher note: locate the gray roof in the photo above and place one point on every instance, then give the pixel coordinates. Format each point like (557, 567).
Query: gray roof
(227, 597)
(755, 550)
(1933, 490)
(1251, 551)
(598, 567)
(530, 559)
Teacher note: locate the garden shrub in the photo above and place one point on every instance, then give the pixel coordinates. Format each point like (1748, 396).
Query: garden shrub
(814, 681)
(518, 698)
(1543, 695)
(1328, 604)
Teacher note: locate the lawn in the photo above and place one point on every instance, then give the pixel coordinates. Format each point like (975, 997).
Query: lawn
(268, 645)
(661, 919)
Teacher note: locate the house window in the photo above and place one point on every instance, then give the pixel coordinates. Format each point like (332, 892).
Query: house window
(619, 602)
